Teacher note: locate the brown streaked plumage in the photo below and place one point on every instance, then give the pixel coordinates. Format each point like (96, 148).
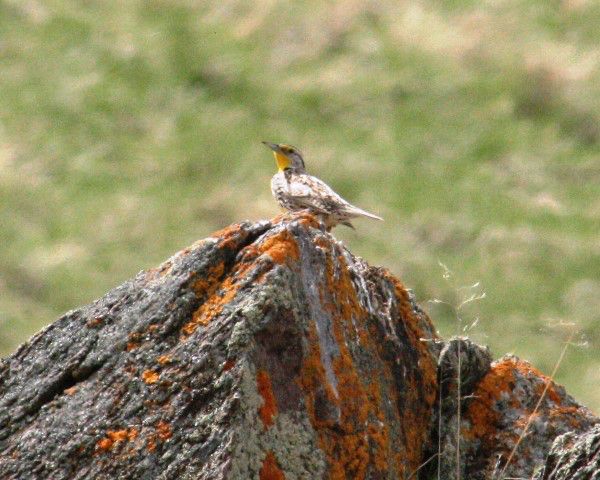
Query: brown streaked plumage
(296, 190)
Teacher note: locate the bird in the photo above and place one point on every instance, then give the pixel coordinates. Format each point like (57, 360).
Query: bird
(295, 190)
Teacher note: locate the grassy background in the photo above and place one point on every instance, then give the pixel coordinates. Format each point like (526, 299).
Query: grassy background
(130, 129)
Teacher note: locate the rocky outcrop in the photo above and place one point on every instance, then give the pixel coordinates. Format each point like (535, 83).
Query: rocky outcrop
(510, 414)
(268, 351)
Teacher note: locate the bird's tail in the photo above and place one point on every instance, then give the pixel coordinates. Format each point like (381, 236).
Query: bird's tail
(362, 213)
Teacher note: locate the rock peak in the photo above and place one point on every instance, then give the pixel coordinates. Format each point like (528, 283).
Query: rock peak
(268, 351)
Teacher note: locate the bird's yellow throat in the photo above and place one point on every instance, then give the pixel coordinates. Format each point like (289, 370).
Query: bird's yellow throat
(283, 162)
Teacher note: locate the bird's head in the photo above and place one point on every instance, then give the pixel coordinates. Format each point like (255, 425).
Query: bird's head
(286, 156)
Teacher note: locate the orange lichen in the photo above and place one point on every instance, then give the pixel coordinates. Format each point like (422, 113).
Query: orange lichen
(164, 359)
(313, 378)
(270, 470)
(212, 306)
(228, 236)
(115, 437)
(164, 430)
(360, 406)
(530, 372)
(481, 414)
(501, 378)
(359, 439)
(498, 429)
(118, 435)
(162, 434)
(280, 247)
(150, 376)
(269, 407)
(551, 393)
(134, 340)
(573, 415)
(71, 391)
(207, 287)
(218, 292)
(104, 444)
(421, 393)
(208, 282)
(151, 443)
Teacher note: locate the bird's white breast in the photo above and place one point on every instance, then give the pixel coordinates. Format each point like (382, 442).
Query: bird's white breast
(278, 183)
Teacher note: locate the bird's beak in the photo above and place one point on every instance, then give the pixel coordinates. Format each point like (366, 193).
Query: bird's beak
(272, 146)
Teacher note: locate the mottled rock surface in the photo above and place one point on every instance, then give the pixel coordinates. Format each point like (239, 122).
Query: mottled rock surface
(267, 351)
(574, 456)
(502, 433)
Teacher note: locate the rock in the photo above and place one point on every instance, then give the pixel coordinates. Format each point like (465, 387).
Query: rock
(498, 400)
(267, 351)
(573, 457)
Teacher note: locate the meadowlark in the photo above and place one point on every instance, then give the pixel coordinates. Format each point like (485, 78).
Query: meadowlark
(296, 190)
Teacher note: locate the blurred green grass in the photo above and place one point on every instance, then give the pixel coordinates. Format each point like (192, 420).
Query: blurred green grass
(130, 129)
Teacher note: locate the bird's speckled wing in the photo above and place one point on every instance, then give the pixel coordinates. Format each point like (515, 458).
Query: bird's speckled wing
(298, 191)
(316, 194)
